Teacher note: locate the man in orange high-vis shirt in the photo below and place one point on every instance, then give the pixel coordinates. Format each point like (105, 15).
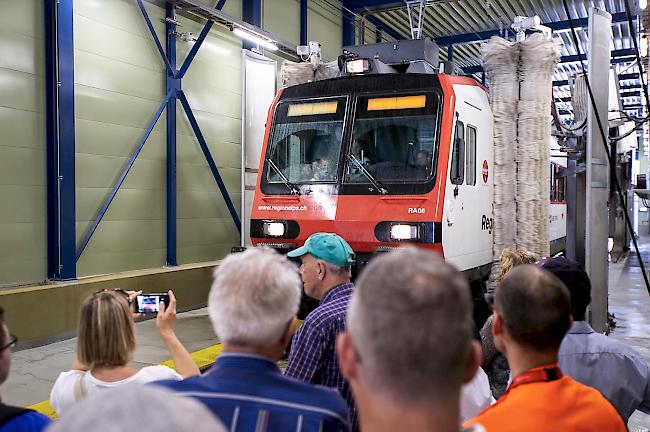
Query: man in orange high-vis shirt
(531, 316)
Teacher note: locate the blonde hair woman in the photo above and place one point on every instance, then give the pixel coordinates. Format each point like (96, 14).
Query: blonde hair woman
(495, 363)
(105, 346)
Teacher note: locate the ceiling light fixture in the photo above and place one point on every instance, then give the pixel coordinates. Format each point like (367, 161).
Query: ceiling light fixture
(255, 39)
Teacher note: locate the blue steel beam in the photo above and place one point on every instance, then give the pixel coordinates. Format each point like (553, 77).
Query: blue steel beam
(155, 37)
(252, 14)
(125, 170)
(208, 157)
(304, 14)
(348, 27)
(173, 83)
(369, 5)
(60, 138)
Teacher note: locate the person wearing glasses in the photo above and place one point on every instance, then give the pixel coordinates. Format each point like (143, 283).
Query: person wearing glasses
(15, 418)
(105, 346)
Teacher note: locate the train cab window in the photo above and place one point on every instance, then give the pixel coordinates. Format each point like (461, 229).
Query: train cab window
(306, 141)
(393, 139)
(457, 172)
(470, 156)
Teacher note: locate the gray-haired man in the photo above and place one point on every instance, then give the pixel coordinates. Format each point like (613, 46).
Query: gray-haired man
(408, 346)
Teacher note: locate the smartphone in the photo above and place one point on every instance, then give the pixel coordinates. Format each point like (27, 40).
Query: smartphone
(150, 303)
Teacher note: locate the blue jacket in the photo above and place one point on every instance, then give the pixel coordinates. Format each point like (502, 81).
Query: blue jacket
(249, 394)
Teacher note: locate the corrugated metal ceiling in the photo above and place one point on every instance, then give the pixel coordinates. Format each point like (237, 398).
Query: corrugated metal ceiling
(451, 18)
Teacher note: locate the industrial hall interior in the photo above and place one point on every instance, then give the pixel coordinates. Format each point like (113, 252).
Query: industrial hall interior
(325, 215)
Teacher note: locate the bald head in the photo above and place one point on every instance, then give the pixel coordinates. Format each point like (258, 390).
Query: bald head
(535, 307)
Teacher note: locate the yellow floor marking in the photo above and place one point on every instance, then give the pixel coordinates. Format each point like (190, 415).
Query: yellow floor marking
(202, 358)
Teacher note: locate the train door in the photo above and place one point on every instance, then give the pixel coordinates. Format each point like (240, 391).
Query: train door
(467, 218)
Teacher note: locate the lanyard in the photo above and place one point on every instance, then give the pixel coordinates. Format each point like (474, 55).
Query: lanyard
(541, 374)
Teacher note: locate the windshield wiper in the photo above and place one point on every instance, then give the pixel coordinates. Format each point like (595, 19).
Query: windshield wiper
(380, 188)
(294, 190)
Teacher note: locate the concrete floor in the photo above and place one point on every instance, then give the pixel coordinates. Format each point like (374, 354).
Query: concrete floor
(34, 370)
(629, 302)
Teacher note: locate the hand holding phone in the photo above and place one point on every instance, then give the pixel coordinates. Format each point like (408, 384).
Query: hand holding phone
(166, 318)
(150, 303)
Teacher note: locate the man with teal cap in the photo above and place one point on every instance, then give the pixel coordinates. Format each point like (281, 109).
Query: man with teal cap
(326, 259)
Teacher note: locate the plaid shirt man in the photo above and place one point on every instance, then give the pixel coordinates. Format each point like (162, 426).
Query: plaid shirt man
(313, 355)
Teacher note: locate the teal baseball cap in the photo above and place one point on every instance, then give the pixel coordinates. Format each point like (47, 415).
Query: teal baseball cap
(327, 247)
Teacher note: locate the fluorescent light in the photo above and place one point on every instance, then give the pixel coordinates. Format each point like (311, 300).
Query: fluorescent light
(255, 39)
(643, 4)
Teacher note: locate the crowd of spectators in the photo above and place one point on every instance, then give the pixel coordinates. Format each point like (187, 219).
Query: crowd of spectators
(395, 351)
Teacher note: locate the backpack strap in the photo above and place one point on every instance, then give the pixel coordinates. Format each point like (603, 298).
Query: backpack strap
(80, 388)
(8, 412)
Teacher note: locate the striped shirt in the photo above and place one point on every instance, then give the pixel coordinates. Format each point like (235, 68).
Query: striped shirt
(248, 393)
(313, 354)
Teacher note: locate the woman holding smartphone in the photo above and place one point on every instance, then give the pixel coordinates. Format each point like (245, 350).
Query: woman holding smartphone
(105, 345)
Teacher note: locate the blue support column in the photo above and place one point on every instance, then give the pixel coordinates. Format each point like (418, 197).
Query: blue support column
(349, 30)
(60, 136)
(173, 85)
(252, 14)
(303, 22)
(450, 53)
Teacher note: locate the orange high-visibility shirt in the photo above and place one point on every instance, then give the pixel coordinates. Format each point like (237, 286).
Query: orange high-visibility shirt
(560, 405)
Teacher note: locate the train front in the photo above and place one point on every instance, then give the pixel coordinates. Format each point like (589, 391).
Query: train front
(357, 156)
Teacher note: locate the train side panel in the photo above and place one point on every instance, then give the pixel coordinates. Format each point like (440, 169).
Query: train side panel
(467, 222)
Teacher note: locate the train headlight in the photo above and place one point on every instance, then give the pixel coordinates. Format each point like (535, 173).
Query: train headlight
(274, 229)
(357, 66)
(401, 232)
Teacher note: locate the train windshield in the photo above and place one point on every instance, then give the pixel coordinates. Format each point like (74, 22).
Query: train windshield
(306, 141)
(394, 139)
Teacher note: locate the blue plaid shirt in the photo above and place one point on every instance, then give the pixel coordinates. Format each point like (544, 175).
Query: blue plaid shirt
(313, 354)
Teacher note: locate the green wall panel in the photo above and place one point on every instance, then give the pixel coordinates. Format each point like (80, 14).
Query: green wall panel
(22, 145)
(324, 26)
(119, 85)
(23, 17)
(282, 18)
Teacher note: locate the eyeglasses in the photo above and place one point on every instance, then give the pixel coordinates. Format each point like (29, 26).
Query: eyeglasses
(12, 343)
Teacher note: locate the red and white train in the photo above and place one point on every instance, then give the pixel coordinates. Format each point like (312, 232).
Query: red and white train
(383, 159)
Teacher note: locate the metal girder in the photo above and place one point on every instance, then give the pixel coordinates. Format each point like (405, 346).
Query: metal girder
(349, 29)
(252, 14)
(208, 156)
(304, 14)
(360, 5)
(196, 8)
(125, 170)
(173, 80)
(60, 138)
